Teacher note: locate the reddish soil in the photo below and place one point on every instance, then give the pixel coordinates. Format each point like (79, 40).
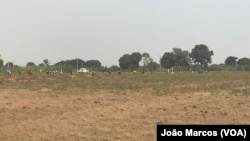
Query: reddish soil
(104, 116)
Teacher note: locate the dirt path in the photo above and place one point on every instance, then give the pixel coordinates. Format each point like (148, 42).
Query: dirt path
(82, 116)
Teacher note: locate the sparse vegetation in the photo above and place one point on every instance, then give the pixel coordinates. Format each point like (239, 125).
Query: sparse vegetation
(235, 82)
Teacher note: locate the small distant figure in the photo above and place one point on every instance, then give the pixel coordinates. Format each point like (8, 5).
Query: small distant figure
(206, 71)
(61, 72)
(119, 72)
(172, 70)
(200, 71)
(191, 71)
(19, 72)
(9, 73)
(71, 72)
(29, 71)
(41, 71)
(134, 72)
(168, 71)
(143, 72)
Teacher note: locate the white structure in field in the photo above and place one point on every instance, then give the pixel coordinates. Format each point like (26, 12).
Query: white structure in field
(83, 70)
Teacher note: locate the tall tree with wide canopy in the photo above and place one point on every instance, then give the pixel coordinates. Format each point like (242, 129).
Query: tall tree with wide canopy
(231, 60)
(146, 59)
(31, 64)
(135, 60)
(128, 61)
(93, 64)
(243, 61)
(124, 61)
(181, 57)
(177, 57)
(168, 60)
(201, 55)
(9, 65)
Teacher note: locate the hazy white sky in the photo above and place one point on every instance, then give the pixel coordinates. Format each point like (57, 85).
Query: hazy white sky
(32, 30)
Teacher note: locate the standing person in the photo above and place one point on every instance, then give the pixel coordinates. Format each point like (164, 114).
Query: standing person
(9, 73)
(172, 70)
(41, 71)
(29, 71)
(168, 71)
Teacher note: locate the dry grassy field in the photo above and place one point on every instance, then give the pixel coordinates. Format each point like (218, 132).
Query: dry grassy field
(123, 107)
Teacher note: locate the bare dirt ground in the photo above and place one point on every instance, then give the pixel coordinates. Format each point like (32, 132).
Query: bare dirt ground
(46, 115)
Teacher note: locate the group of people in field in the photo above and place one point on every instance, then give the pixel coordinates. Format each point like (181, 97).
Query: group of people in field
(9, 72)
(29, 71)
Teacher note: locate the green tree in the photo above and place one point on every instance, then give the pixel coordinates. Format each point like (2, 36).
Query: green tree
(46, 62)
(77, 63)
(74, 63)
(201, 55)
(135, 60)
(168, 60)
(41, 65)
(146, 59)
(93, 64)
(177, 57)
(31, 64)
(181, 58)
(9, 65)
(128, 61)
(114, 68)
(124, 61)
(231, 60)
(1, 62)
(243, 61)
(153, 66)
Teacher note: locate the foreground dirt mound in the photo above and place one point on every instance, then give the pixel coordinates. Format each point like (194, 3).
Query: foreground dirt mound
(81, 115)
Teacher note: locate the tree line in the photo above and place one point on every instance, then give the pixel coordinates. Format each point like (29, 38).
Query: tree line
(199, 57)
